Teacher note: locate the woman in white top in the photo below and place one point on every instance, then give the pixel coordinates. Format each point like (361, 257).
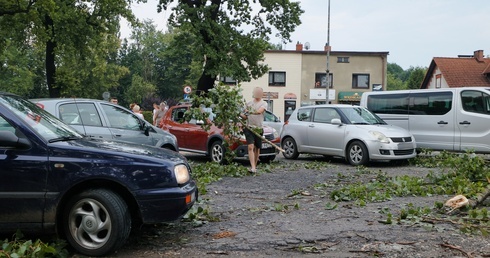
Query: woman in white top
(136, 110)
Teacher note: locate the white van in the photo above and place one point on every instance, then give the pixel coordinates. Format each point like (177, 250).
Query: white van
(453, 119)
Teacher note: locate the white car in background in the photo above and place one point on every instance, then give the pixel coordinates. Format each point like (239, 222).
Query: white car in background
(345, 131)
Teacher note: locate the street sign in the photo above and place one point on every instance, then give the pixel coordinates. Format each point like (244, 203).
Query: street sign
(187, 89)
(186, 97)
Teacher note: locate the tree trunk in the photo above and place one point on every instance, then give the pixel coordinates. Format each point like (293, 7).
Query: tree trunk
(54, 91)
(205, 83)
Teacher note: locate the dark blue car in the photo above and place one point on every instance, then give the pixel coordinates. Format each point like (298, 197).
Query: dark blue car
(89, 191)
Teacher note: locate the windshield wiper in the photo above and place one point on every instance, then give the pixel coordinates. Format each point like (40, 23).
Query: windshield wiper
(64, 139)
(362, 123)
(379, 123)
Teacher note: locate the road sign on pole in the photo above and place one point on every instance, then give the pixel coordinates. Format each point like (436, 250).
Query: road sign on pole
(187, 89)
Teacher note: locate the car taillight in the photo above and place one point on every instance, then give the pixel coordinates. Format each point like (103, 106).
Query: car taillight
(40, 105)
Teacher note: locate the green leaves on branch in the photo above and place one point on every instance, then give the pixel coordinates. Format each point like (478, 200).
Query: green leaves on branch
(226, 103)
(18, 248)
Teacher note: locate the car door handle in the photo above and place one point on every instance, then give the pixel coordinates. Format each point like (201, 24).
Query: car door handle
(465, 123)
(311, 126)
(118, 135)
(442, 123)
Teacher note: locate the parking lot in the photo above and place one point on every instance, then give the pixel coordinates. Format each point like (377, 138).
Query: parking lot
(287, 210)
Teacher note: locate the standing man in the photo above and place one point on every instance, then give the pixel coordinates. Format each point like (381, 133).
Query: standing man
(254, 114)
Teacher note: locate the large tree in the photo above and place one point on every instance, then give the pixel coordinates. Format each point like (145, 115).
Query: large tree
(232, 35)
(78, 38)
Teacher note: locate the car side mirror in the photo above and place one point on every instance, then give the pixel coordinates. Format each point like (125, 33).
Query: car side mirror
(336, 121)
(147, 130)
(9, 140)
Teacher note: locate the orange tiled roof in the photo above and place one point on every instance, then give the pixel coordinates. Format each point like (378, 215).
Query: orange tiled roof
(464, 72)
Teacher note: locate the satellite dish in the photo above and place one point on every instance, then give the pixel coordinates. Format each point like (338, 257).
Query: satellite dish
(307, 45)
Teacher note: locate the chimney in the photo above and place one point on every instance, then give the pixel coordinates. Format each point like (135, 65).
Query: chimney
(478, 55)
(327, 47)
(299, 46)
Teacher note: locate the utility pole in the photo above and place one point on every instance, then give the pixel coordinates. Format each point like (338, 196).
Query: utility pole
(328, 54)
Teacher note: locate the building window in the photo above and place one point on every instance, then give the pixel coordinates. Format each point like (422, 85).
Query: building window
(277, 78)
(321, 80)
(342, 59)
(438, 80)
(360, 81)
(228, 80)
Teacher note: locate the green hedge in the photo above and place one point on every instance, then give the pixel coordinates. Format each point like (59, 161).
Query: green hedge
(148, 116)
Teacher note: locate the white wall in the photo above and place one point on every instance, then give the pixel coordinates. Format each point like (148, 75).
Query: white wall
(289, 62)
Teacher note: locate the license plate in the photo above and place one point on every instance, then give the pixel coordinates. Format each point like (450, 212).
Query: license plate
(266, 146)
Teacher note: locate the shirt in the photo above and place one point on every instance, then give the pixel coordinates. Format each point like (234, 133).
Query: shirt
(255, 120)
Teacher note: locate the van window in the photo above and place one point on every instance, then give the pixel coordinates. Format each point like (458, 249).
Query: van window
(304, 114)
(388, 104)
(475, 101)
(430, 103)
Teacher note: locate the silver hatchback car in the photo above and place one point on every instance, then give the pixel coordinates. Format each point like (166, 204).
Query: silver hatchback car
(103, 120)
(345, 131)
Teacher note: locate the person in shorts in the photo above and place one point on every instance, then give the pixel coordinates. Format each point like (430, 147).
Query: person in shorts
(254, 114)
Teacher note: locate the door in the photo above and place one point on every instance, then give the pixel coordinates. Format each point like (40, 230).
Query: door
(324, 137)
(289, 107)
(432, 120)
(197, 137)
(125, 125)
(85, 118)
(472, 121)
(23, 183)
(180, 130)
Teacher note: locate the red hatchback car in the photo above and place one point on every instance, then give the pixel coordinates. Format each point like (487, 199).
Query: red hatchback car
(192, 137)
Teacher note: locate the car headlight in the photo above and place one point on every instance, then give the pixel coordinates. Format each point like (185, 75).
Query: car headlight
(181, 174)
(380, 137)
(276, 134)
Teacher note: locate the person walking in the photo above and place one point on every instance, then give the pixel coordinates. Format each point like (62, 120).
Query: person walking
(254, 114)
(160, 114)
(156, 108)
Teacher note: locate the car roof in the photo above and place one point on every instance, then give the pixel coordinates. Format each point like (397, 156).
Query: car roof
(330, 105)
(57, 100)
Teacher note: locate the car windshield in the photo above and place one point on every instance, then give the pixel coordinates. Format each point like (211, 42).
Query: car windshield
(46, 125)
(361, 116)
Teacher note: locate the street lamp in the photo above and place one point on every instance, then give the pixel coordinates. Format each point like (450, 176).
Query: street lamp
(328, 54)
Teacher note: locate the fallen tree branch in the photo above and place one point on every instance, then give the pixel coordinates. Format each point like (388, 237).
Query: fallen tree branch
(467, 254)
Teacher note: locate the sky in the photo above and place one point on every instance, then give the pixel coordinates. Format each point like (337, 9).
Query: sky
(412, 31)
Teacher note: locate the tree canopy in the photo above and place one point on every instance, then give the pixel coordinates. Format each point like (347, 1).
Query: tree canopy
(78, 39)
(399, 79)
(232, 35)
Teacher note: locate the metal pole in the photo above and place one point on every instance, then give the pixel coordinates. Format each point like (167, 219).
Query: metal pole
(328, 54)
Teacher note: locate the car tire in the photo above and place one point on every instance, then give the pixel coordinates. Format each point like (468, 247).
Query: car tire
(96, 222)
(217, 152)
(357, 154)
(290, 148)
(267, 159)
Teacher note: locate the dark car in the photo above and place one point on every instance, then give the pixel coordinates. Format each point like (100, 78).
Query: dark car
(193, 138)
(52, 179)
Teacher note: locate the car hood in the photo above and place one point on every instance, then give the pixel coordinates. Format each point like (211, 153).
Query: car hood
(120, 148)
(388, 130)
